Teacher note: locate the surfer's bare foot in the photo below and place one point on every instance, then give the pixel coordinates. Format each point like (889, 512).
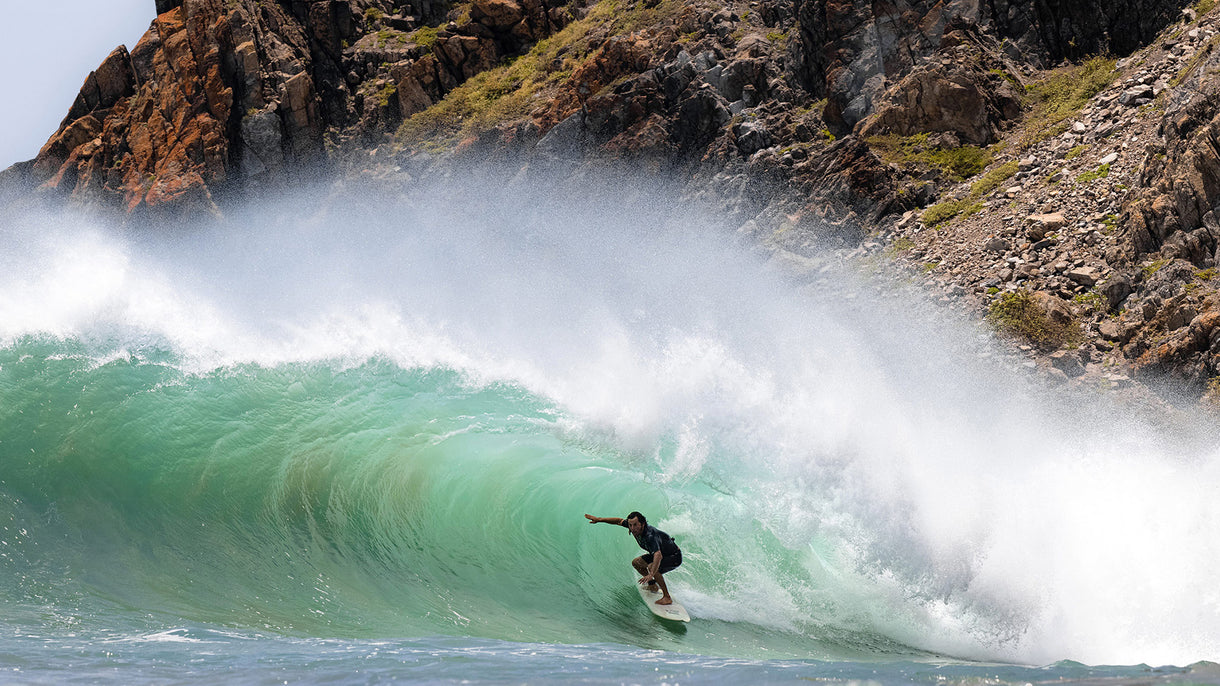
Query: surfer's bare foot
(665, 601)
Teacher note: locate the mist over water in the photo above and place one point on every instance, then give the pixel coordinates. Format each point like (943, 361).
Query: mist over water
(390, 413)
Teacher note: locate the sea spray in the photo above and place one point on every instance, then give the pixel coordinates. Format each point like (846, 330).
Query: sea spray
(375, 416)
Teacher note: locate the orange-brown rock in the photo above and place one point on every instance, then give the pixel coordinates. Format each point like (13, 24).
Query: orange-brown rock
(1173, 214)
(223, 95)
(152, 133)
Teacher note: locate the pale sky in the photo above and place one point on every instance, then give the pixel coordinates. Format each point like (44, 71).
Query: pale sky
(47, 48)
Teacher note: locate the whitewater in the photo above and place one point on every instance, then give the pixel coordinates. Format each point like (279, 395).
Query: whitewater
(349, 436)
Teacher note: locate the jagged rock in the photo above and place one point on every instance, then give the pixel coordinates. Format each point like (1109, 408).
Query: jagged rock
(216, 86)
(1179, 316)
(742, 76)
(1053, 307)
(752, 137)
(957, 97)
(1118, 331)
(1188, 342)
(1116, 290)
(498, 15)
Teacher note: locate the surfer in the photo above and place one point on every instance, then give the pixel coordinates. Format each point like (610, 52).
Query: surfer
(663, 554)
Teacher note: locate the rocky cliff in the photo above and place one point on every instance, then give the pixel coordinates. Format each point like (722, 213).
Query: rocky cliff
(994, 147)
(220, 96)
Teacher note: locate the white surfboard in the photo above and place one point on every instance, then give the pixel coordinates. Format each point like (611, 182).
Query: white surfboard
(675, 611)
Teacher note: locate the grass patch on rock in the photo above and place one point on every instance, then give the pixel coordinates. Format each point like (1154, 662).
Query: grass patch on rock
(1061, 94)
(1093, 174)
(992, 179)
(512, 90)
(1018, 313)
(425, 37)
(942, 212)
(1152, 268)
(1093, 302)
(950, 209)
(958, 163)
(384, 94)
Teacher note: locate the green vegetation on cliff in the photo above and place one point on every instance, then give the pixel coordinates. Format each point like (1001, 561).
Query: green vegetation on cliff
(944, 211)
(1062, 94)
(1017, 313)
(949, 209)
(513, 90)
(958, 163)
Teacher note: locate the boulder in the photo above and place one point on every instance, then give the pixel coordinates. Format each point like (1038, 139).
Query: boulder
(997, 245)
(1137, 95)
(1085, 276)
(959, 94)
(1043, 224)
(1117, 331)
(752, 137)
(498, 15)
(1054, 307)
(1067, 362)
(1116, 290)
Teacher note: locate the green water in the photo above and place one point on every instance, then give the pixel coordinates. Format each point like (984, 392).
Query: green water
(360, 501)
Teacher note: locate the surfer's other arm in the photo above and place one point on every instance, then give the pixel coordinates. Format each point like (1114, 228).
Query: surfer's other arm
(617, 521)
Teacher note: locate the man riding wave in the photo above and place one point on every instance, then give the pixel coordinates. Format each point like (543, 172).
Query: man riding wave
(663, 555)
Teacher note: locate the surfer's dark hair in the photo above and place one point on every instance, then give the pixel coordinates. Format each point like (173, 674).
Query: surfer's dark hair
(638, 516)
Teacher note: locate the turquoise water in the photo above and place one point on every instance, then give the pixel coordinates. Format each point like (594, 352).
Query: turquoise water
(357, 444)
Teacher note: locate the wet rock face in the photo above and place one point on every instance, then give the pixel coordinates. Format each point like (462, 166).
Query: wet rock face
(852, 51)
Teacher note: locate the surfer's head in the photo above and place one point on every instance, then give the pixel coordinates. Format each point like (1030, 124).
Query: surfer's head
(636, 522)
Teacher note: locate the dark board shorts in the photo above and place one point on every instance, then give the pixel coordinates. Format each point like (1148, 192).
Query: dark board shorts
(668, 562)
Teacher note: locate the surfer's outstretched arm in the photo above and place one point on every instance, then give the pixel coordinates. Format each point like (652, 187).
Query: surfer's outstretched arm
(617, 521)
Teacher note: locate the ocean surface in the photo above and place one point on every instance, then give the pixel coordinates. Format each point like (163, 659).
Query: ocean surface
(352, 440)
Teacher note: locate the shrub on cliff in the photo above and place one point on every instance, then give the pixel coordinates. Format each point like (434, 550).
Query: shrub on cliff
(944, 211)
(992, 179)
(1035, 317)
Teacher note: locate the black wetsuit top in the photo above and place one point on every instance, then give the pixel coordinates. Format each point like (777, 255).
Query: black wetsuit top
(653, 539)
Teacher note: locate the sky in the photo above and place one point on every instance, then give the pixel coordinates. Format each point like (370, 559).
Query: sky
(47, 48)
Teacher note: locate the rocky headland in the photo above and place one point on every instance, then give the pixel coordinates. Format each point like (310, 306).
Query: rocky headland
(1052, 166)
